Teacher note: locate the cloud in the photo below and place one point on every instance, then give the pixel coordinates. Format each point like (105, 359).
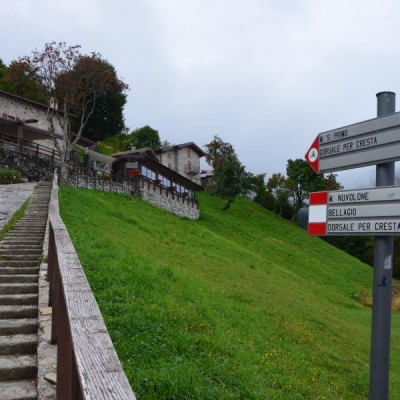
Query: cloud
(266, 75)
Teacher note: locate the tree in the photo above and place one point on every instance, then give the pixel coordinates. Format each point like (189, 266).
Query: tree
(302, 180)
(260, 190)
(19, 80)
(277, 186)
(107, 118)
(145, 137)
(231, 177)
(218, 150)
(77, 82)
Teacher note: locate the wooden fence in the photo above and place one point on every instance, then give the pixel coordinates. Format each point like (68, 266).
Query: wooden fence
(28, 147)
(87, 364)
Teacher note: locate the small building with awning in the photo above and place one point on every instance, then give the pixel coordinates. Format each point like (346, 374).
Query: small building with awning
(144, 163)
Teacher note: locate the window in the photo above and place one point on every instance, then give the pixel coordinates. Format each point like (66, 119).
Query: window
(165, 181)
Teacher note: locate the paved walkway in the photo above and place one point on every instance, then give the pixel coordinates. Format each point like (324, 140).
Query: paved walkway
(11, 199)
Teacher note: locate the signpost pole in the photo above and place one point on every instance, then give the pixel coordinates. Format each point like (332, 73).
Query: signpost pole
(382, 280)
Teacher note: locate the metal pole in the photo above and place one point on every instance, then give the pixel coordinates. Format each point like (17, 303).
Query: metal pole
(382, 280)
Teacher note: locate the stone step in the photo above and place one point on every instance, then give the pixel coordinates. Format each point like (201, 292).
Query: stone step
(21, 251)
(18, 344)
(37, 216)
(20, 271)
(18, 241)
(18, 288)
(28, 235)
(13, 256)
(19, 367)
(18, 326)
(18, 247)
(18, 263)
(18, 311)
(28, 229)
(42, 220)
(18, 278)
(37, 225)
(27, 299)
(18, 390)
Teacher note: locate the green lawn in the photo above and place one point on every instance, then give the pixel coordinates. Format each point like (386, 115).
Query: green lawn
(237, 305)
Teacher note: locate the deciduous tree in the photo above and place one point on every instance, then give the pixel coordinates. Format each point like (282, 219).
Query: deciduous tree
(145, 137)
(20, 80)
(231, 177)
(77, 82)
(218, 150)
(278, 187)
(107, 118)
(301, 180)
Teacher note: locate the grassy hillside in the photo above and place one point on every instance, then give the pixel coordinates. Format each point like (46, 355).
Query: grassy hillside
(238, 305)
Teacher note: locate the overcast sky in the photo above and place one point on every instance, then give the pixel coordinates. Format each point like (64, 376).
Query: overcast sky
(265, 75)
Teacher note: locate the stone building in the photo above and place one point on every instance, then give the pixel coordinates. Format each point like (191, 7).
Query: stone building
(156, 183)
(144, 163)
(182, 158)
(26, 119)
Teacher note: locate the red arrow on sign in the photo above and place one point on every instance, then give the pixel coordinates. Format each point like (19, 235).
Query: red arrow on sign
(312, 155)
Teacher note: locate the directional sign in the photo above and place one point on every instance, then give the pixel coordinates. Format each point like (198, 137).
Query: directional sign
(367, 143)
(361, 212)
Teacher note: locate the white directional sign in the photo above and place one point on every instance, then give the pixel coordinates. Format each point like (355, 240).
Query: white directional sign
(367, 143)
(369, 212)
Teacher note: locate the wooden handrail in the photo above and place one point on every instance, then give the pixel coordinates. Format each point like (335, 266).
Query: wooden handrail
(87, 364)
(27, 146)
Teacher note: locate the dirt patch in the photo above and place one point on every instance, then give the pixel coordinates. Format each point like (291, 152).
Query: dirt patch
(365, 297)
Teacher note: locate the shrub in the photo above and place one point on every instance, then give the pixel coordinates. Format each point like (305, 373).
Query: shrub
(10, 175)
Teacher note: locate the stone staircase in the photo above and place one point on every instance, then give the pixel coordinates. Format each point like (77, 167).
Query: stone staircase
(20, 256)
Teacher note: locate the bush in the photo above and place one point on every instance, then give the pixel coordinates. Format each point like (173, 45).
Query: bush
(9, 175)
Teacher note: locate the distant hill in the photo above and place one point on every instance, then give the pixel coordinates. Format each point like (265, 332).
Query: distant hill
(237, 305)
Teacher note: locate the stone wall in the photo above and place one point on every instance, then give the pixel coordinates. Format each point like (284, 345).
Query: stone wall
(180, 206)
(32, 168)
(150, 192)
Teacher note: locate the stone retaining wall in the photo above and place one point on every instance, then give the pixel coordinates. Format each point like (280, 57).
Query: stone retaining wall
(32, 168)
(178, 206)
(150, 192)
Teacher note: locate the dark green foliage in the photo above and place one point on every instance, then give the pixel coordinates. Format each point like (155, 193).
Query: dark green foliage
(217, 150)
(141, 137)
(107, 118)
(18, 79)
(9, 175)
(232, 180)
(302, 180)
(361, 247)
(231, 177)
(396, 257)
